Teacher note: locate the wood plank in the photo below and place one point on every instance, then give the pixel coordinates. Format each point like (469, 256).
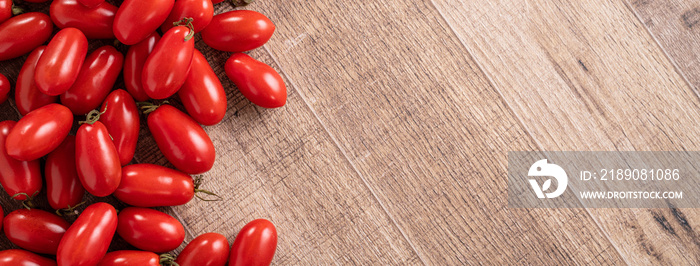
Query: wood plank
(585, 75)
(422, 126)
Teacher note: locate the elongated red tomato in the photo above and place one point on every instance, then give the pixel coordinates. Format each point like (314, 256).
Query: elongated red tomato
(210, 249)
(217, 1)
(95, 81)
(255, 244)
(136, 19)
(21, 34)
(131, 257)
(60, 63)
(133, 66)
(63, 186)
(166, 67)
(4, 88)
(91, 3)
(5, 10)
(150, 230)
(39, 132)
(183, 142)
(87, 239)
(35, 230)
(17, 176)
(202, 94)
(95, 23)
(238, 31)
(97, 160)
(27, 95)
(150, 185)
(121, 118)
(201, 11)
(257, 81)
(23, 257)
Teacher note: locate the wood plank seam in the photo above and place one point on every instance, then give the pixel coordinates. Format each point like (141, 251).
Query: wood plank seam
(345, 155)
(663, 49)
(537, 143)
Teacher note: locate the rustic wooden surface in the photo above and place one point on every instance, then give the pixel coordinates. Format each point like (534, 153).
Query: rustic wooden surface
(392, 146)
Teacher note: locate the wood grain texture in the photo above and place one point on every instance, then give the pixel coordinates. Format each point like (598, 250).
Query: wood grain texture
(585, 75)
(419, 122)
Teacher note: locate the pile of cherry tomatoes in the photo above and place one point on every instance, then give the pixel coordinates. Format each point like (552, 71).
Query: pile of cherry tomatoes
(60, 81)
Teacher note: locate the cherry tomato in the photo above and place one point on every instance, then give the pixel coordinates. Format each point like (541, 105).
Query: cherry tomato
(23, 257)
(21, 34)
(60, 63)
(97, 160)
(150, 185)
(131, 257)
(91, 3)
(202, 94)
(150, 230)
(167, 66)
(95, 23)
(27, 95)
(95, 81)
(17, 176)
(183, 142)
(201, 11)
(39, 132)
(257, 81)
(121, 118)
(238, 31)
(63, 186)
(136, 19)
(133, 66)
(87, 239)
(35, 230)
(255, 244)
(4, 88)
(210, 249)
(5, 10)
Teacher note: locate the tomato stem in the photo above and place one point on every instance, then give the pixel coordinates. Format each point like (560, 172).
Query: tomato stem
(149, 107)
(70, 210)
(197, 183)
(167, 260)
(93, 116)
(17, 10)
(187, 22)
(28, 202)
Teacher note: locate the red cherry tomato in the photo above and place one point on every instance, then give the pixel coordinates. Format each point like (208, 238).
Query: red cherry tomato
(121, 118)
(238, 31)
(21, 34)
(22, 257)
(39, 132)
(63, 187)
(17, 176)
(255, 244)
(97, 160)
(202, 94)
(167, 66)
(60, 63)
(136, 19)
(131, 257)
(95, 81)
(150, 230)
(210, 249)
(150, 185)
(183, 142)
(257, 81)
(201, 11)
(133, 66)
(4, 88)
(5, 10)
(95, 23)
(91, 3)
(35, 230)
(27, 95)
(87, 239)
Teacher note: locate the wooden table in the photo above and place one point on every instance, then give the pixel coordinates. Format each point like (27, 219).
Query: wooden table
(392, 146)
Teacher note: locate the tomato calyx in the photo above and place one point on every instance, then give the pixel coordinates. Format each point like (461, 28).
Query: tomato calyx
(197, 183)
(71, 210)
(28, 203)
(187, 22)
(93, 116)
(149, 107)
(167, 259)
(16, 10)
